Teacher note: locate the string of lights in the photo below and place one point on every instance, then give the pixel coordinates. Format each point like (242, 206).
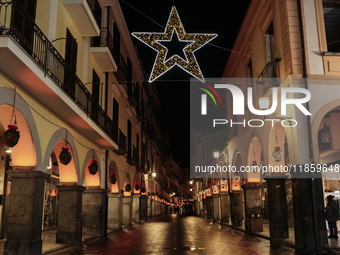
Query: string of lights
(220, 47)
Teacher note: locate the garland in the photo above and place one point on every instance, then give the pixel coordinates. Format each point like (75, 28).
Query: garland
(93, 168)
(65, 156)
(11, 135)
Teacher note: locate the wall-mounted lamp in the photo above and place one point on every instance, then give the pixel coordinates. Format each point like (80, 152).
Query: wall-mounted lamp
(9, 150)
(190, 182)
(190, 189)
(264, 103)
(216, 154)
(153, 174)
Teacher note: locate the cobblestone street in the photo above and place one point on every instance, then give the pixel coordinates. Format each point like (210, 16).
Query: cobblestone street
(178, 234)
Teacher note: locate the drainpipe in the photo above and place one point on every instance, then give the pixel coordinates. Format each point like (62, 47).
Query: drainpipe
(106, 188)
(311, 153)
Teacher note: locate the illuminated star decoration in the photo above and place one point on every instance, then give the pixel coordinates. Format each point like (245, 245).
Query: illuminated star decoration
(195, 41)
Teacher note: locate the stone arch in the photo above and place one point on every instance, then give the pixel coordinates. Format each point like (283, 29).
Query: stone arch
(236, 177)
(276, 142)
(143, 186)
(136, 182)
(113, 171)
(126, 182)
(89, 179)
(56, 141)
(7, 97)
(254, 156)
(316, 124)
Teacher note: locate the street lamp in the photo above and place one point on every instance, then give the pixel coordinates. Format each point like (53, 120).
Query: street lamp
(216, 154)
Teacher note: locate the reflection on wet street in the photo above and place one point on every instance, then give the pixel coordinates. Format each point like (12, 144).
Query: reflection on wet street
(177, 234)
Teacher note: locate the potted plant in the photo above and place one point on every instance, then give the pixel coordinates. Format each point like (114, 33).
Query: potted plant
(93, 168)
(11, 135)
(65, 156)
(136, 187)
(277, 154)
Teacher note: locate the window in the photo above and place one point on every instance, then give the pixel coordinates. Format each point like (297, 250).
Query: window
(129, 131)
(116, 43)
(95, 96)
(71, 63)
(331, 13)
(249, 74)
(269, 43)
(115, 111)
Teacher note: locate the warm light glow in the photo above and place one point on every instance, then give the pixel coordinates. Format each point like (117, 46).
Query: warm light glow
(23, 154)
(195, 42)
(174, 193)
(216, 154)
(67, 173)
(9, 150)
(264, 103)
(190, 189)
(49, 164)
(91, 180)
(153, 174)
(191, 182)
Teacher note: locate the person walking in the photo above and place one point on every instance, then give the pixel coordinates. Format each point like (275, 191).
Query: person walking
(332, 212)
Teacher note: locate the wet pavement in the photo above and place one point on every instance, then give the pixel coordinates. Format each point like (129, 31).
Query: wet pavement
(178, 234)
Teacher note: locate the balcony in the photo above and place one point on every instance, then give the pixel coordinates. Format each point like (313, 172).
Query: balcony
(86, 15)
(121, 73)
(42, 72)
(268, 78)
(102, 51)
(120, 139)
(132, 158)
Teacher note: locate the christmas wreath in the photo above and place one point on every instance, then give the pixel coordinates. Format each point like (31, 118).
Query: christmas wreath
(93, 168)
(127, 187)
(277, 154)
(11, 135)
(65, 156)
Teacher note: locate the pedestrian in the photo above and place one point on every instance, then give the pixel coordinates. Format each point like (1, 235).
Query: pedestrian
(332, 211)
(170, 209)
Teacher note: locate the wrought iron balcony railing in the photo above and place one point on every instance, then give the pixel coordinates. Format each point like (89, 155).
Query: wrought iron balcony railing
(268, 78)
(105, 39)
(22, 29)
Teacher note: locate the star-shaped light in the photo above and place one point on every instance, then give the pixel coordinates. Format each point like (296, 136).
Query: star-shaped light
(195, 41)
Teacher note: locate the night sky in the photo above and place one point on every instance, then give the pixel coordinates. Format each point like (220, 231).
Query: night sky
(221, 17)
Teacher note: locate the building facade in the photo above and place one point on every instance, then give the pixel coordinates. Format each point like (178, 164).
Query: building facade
(88, 151)
(282, 44)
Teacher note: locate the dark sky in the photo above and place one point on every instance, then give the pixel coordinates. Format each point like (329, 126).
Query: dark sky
(221, 17)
